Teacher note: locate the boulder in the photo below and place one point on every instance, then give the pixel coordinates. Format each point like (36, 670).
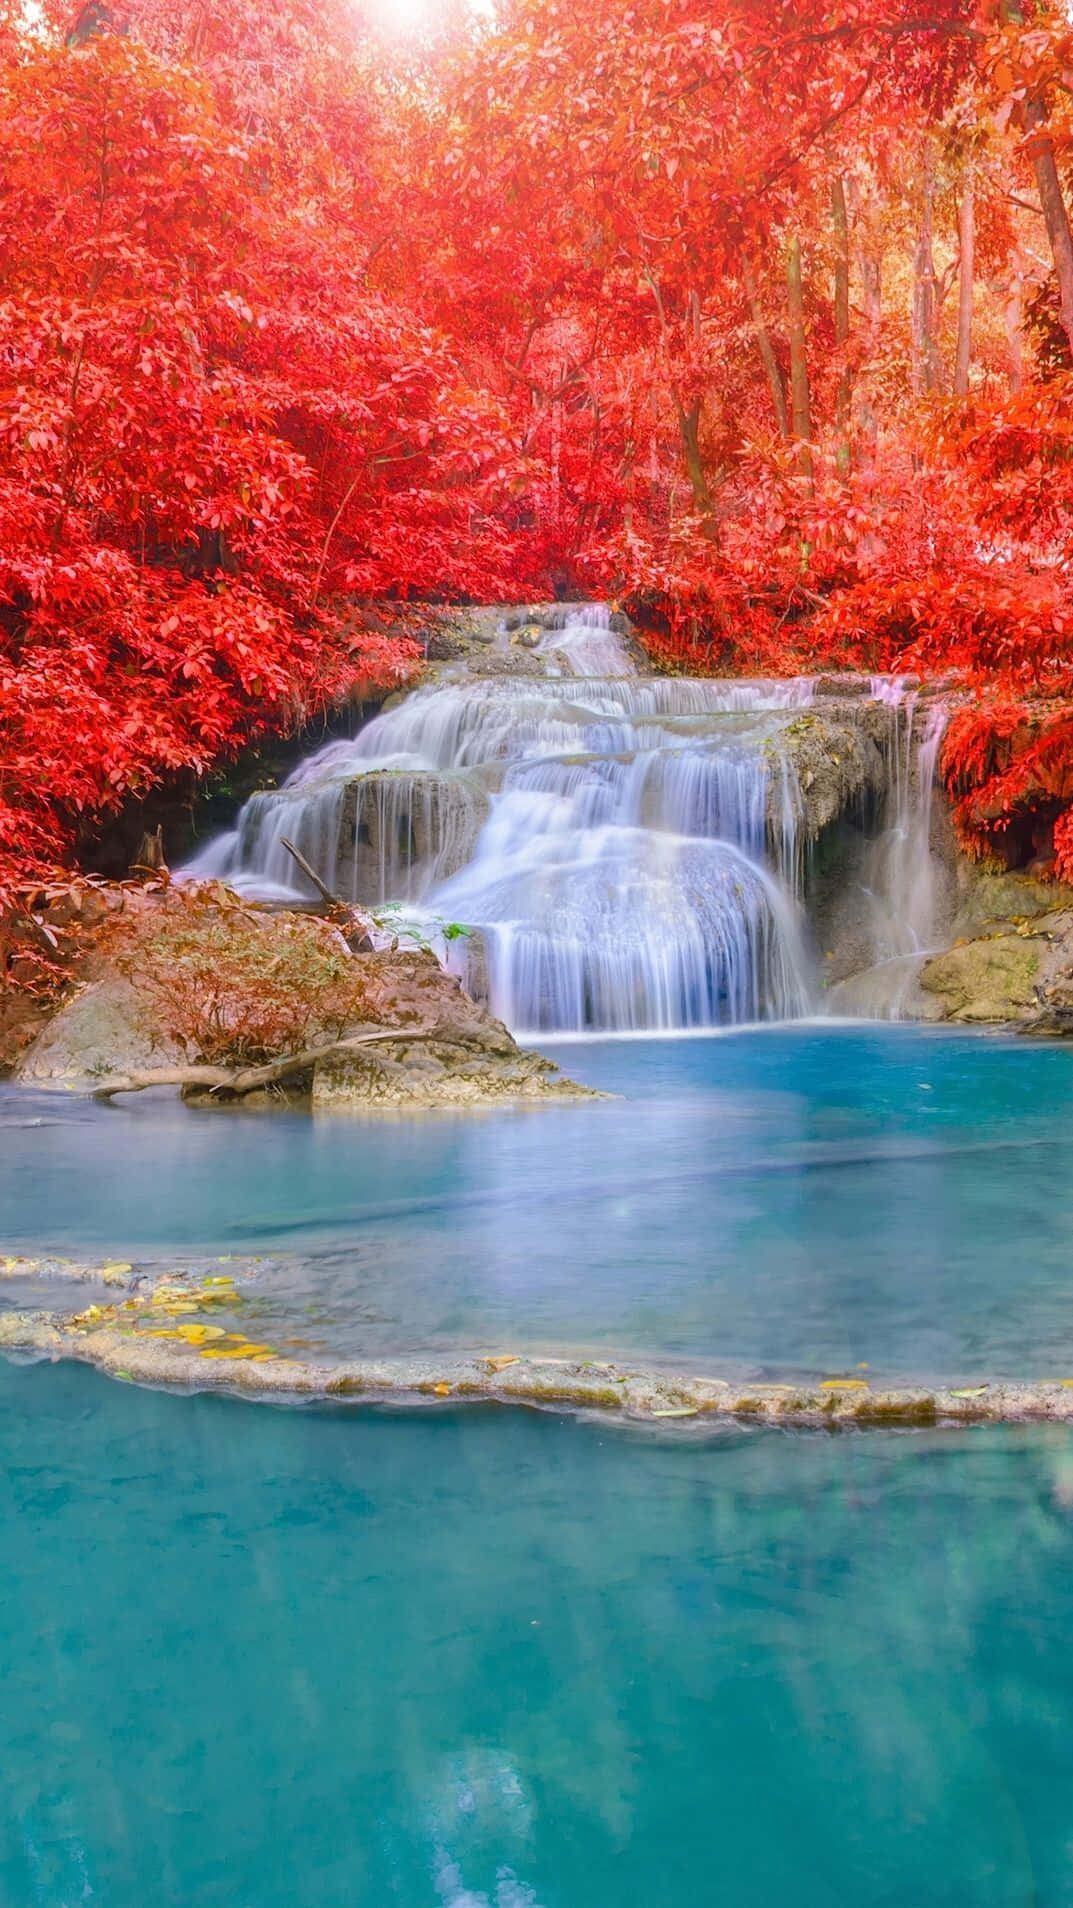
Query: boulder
(103, 1029)
(403, 830)
(831, 762)
(474, 1061)
(990, 979)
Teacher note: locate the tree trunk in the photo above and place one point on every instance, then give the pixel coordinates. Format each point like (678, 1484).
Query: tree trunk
(800, 409)
(966, 269)
(1049, 186)
(872, 300)
(689, 427)
(1013, 314)
(927, 369)
(767, 352)
(149, 855)
(844, 394)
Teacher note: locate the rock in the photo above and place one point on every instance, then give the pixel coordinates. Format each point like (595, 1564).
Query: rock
(400, 830)
(990, 979)
(435, 1074)
(832, 763)
(988, 899)
(102, 1030)
(475, 1062)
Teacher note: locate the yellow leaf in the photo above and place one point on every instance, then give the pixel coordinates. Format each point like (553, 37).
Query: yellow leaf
(844, 1384)
(499, 1364)
(970, 1391)
(676, 1411)
(237, 1351)
(120, 1266)
(442, 1391)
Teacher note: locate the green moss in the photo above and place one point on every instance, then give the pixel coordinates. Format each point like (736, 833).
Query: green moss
(896, 1411)
(577, 1395)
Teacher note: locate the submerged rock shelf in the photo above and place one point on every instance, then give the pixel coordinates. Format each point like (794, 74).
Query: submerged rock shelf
(179, 1327)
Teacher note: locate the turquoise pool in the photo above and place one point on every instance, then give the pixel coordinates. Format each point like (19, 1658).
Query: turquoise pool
(804, 1199)
(256, 1658)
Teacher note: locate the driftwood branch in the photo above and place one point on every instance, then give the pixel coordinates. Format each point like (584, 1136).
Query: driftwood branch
(242, 1080)
(311, 874)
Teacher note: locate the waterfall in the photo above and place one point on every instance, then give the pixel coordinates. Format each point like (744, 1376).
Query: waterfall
(603, 836)
(901, 877)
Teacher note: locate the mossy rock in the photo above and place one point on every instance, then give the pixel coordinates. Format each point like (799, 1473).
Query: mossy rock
(992, 979)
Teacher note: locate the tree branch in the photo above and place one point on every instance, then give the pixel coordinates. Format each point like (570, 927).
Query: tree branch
(242, 1080)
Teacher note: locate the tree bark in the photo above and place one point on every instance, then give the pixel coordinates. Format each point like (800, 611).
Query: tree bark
(927, 368)
(800, 407)
(966, 275)
(844, 393)
(1013, 314)
(689, 426)
(1056, 217)
(1049, 187)
(872, 300)
(767, 351)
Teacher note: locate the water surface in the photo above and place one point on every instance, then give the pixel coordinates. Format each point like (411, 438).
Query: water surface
(806, 1199)
(264, 1659)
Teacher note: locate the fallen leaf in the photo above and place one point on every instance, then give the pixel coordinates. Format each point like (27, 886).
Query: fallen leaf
(442, 1391)
(499, 1364)
(676, 1411)
(970, 1391)
(237, 1351)
(844, 1384)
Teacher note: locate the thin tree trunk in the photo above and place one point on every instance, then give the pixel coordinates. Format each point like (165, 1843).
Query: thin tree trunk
(927, 369)
(1013, 313)
(966, 271)
(800, 408)
(1049, 186)
(767, 351)
(844, 394)
(872, 301)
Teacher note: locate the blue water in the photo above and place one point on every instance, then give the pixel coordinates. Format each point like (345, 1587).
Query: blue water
(802, 1198)
(264, 1659)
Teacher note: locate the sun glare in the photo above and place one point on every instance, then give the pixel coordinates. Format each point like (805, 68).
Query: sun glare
(404, 16)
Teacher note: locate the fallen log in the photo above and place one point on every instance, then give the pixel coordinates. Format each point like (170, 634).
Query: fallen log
(243, 1080)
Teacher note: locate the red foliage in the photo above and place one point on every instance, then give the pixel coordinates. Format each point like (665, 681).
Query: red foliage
(291, 317)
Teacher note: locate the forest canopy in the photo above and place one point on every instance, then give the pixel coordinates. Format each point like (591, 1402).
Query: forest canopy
(757, 320)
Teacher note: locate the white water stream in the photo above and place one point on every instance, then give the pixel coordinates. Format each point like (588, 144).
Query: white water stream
(622, 848)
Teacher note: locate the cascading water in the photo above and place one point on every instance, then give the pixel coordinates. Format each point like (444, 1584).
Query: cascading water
(603, 836)
(901, 879)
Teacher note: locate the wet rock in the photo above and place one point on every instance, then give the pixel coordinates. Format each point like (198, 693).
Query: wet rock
(400, 830)
(828, 764)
